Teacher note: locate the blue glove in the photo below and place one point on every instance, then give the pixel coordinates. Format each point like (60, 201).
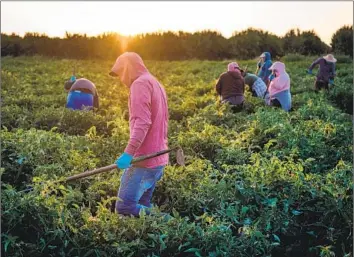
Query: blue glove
(124, 161)
(309, 72)
(331, 81)
(73, 78)
(271, 77)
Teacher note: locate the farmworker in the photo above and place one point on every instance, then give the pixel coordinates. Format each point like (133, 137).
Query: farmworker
(264, 72)
(256, 84)
(279, 87)
(230, 87)
(148, 121)
(82, 94)
(326, 72)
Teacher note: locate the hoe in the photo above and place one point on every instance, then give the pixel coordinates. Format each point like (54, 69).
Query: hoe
(179, 159)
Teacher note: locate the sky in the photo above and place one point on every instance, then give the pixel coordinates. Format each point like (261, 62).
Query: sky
(130, 18)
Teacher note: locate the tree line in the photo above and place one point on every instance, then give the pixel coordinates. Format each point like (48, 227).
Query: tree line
(202, 45)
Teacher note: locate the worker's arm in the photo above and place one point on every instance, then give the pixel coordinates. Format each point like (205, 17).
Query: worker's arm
(314, 64)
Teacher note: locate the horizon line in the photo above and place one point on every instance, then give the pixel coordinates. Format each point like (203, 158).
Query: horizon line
(163, 31)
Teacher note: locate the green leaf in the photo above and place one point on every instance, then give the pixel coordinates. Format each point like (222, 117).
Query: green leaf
(244, 210)
(163, 244)
(295, 212)
(268, 227)
(276, 238)
(7, 244)
(191, 250)
(175, 213)
(311, 233)
(258, 234)
(183, 245)
(153, 236)
(198, 254)
(272, 202)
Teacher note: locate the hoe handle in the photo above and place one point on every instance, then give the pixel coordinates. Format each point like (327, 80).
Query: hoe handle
(114, 166)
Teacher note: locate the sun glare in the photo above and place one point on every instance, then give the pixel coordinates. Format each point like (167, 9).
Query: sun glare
(131, 18)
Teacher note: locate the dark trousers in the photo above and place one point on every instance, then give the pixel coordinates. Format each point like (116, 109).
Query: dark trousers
(275, 102)
(319, 84)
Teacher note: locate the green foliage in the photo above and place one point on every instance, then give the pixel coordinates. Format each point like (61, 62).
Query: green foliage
(250, 43)
(344, 59)
(293, 58)
(261, 182)
(342, 41)
(201, 45)
(304, 43)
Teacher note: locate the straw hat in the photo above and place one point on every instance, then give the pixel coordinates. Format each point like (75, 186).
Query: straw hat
(330, 58)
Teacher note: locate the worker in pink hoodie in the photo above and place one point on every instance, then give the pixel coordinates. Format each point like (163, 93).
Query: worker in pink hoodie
(148, 121)
(279, 87)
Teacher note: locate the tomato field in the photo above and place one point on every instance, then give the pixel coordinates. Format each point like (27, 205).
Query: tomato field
(261, 182)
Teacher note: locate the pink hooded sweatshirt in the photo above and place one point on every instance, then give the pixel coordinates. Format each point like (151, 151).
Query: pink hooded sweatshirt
(282, 80)
(148, 110)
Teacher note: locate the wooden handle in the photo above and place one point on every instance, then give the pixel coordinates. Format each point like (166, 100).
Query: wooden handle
(145, 157)
(114, 166)
(92, 172)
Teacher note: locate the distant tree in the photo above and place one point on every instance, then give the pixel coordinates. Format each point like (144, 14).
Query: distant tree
(251, 43)
(342, 41)
(306, 43)
(311, 44)
(203, 45)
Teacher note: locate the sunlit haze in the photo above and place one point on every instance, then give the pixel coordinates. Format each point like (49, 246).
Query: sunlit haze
(130, 18)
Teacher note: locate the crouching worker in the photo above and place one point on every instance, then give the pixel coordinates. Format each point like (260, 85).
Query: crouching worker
(82, 94)
(326, 72)
(279, 87)
(148, 122)
(256, 84)
(231, 86)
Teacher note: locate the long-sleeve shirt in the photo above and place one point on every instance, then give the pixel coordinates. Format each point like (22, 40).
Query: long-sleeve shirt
(148, 110)
(327, 69)
(148, 120)
(230, 84)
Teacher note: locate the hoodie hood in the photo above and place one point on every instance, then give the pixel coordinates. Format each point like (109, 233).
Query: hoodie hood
(279, 67)
(128, 67)
(234, 70)
(267, 56)
(233, 66)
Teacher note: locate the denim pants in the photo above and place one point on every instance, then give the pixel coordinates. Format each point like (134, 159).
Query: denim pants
(136, 188)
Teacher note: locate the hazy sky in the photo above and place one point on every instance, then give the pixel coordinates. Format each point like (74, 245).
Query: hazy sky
(129, 18)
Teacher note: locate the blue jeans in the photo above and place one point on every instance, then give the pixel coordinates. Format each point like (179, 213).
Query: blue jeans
(136, 188)
(77, 100)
